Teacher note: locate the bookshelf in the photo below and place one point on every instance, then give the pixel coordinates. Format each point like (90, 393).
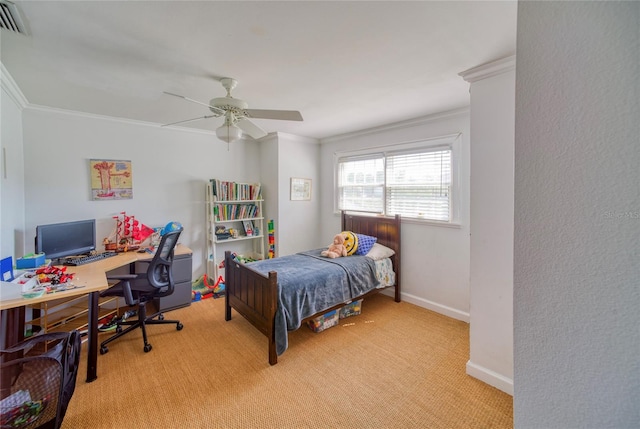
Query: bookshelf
(235, 222)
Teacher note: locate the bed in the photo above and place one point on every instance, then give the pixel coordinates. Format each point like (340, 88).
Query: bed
(254, 290)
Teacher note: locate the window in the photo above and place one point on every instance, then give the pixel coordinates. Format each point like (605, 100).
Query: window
(361, 183)
(415, 182)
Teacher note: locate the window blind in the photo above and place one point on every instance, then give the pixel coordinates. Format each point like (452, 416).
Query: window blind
(361, 183)
(413, 183)
(418, 184)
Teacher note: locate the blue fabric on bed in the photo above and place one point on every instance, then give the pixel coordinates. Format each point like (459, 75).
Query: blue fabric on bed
(365, 243)
(309, 283)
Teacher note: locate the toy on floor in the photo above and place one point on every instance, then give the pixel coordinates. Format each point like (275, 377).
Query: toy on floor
(203, 289)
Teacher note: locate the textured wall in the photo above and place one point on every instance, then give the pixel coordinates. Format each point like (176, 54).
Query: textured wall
(577, 215)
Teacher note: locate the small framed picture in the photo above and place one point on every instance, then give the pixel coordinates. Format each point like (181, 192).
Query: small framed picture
(300, 189)
(248, 227)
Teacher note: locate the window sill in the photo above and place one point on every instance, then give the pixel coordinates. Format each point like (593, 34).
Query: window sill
(427, 222)
(416, 221)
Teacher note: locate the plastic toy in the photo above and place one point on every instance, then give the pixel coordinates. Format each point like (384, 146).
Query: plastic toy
(129, 234)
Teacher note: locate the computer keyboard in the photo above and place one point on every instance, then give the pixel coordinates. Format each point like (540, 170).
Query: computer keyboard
(81, 260)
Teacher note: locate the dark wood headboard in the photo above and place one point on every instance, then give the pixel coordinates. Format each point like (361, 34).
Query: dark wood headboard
(386, 229)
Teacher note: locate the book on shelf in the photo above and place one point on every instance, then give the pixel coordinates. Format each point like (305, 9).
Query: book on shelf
(223, 211)
(232, 191)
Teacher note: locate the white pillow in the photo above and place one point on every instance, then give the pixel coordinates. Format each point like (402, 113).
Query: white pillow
(378, 251)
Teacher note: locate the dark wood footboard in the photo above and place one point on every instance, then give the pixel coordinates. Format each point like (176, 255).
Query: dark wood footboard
(255, 296)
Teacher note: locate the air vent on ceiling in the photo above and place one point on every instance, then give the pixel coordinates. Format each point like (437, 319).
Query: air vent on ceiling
(10, 18)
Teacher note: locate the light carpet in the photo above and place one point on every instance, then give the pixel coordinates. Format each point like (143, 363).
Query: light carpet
(394, 366)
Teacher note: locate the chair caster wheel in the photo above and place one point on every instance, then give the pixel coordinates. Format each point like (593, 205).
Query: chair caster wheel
(103, 350)
(179, 326)
(147, 348)
(161, 317)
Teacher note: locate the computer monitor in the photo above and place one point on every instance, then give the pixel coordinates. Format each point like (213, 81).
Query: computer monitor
(58, 240)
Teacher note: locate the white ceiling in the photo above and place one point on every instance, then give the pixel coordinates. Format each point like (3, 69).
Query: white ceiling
(345, 66)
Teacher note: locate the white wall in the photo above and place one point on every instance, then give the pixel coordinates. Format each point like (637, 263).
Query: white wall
(435, 259)
(170, 170)
(282, 157)
(492, 182)
(577, 215)
(298, 221)
(11, 168)
(269, 148)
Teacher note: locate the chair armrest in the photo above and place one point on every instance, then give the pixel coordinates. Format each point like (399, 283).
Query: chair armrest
(126, 286)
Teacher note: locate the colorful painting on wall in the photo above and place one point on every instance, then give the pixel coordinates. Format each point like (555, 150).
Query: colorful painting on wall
(111, 180)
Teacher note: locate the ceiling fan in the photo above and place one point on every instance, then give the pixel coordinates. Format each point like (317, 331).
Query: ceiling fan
(236, 114)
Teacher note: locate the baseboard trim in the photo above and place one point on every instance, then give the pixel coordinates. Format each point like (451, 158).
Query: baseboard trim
(492, 378)
(433, 306)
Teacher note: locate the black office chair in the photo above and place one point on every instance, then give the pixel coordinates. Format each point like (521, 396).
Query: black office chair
(138, 289)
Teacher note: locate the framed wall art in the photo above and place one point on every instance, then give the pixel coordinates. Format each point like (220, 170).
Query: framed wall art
(110, 179)
(300, 189)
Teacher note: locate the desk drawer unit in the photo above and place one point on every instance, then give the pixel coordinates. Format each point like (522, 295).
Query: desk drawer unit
(181, 296)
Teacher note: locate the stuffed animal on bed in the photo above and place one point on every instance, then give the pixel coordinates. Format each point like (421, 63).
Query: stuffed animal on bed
(336, 249)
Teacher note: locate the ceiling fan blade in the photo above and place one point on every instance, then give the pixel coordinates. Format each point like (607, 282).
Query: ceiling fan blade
(214, 109)
(190, 120)
(250, 128)
(285, 115)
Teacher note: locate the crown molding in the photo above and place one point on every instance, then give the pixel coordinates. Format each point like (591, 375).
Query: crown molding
(403, 124)
(11, 88)
(281, 136)
(489, 69)
(56, 110)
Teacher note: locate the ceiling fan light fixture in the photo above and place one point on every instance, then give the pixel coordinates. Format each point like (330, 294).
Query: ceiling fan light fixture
(229, 133)
(236, 111)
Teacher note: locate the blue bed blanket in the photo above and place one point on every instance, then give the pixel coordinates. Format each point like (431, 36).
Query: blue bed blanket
(309, 283)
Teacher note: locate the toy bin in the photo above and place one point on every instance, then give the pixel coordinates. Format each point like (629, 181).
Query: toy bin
(326, 321)
(32, 260)
(26, 282)
(352, 309)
